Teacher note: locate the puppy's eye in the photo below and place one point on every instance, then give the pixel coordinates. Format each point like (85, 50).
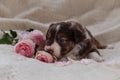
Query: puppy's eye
(62, 40)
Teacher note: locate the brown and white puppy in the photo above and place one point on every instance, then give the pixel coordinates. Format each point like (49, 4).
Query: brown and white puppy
(71, 39)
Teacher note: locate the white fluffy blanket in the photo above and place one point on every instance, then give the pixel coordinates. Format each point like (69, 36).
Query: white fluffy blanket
(101, 17)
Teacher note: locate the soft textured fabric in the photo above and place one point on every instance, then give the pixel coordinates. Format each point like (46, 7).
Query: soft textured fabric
(101, 17)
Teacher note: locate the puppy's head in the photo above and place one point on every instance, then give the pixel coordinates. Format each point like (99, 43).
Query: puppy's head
(62, 37)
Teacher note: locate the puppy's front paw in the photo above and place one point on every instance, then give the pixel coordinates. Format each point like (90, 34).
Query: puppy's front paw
(64, 59)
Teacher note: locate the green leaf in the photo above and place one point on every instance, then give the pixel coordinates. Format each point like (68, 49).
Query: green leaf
(6, 39)
(13, 33)
(29, 30)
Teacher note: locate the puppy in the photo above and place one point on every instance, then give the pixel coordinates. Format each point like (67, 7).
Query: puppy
(71, 39)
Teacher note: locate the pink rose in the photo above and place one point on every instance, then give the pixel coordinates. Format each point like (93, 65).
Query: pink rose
(23, 35)
(36, 36)
(25, 48)
(44, 57)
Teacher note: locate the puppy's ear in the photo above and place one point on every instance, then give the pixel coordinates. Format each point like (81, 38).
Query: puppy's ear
(79, 32)
(49, 29)
(51, 25)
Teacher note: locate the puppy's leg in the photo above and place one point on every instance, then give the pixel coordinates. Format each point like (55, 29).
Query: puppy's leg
(98, 44)
(95, 56)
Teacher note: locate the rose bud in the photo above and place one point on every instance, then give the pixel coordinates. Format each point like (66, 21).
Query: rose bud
(25, 48)
(36, 36)
(44, 57)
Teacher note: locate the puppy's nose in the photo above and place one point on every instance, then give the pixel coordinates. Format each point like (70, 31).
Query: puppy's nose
(50, 51)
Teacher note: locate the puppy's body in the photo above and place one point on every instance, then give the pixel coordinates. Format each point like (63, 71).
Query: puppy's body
(70, 39)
